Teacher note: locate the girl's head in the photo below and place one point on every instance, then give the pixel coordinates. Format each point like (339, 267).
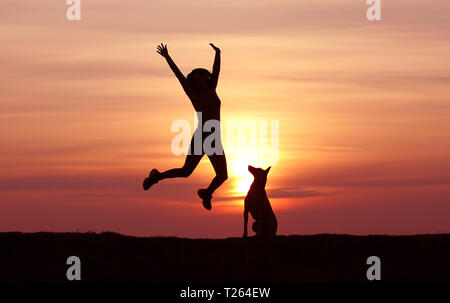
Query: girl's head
(200, 78)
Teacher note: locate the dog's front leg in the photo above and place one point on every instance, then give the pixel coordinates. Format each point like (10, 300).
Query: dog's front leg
(245, 223)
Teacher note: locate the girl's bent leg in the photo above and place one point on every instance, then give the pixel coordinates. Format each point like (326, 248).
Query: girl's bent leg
(190, 164)
(219, 164)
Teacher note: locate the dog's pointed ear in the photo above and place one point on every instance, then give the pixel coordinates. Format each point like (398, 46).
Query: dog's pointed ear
(251, 169)
(268, 169)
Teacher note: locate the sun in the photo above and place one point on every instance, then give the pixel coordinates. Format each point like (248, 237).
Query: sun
(239, 170)
(247, 144)
(242, 178)
(243, 184)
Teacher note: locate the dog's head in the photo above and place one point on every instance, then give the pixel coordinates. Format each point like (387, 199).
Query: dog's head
(259, 174)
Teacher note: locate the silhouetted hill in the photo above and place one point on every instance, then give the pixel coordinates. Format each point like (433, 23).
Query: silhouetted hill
(109, 257)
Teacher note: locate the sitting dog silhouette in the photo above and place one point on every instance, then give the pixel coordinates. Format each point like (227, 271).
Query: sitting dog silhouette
(257, 203)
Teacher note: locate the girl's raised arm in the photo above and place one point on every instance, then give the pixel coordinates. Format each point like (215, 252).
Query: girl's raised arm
(216, 67)
(162, 50)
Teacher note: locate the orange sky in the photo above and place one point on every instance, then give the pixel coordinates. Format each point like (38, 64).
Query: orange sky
(363, 107)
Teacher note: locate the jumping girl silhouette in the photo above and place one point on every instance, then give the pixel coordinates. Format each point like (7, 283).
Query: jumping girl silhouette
(200, 86)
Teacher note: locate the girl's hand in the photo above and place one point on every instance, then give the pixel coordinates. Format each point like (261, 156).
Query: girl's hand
(215, 48)
(162, 50)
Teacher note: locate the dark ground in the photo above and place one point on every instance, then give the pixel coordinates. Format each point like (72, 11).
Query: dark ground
(110, 257)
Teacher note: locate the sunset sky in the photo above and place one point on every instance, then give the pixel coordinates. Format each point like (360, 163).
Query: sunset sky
(86, 109)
